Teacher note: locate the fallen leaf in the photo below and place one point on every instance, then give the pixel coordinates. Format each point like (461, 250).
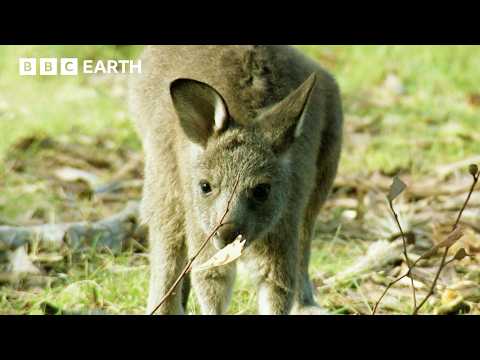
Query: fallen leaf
(469, 290)
(450, 303)
(474, 99)
(379, 254)
(20, 262)
(449, 295)
(69, 174)
(394, 85)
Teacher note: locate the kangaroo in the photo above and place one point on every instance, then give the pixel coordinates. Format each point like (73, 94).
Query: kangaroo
(267, 116)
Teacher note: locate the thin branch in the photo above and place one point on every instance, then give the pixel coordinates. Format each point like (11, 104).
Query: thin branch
(386, 290)
(434, 283)
(188, 267)
(413, 291)
(476, 175)
(405, 253)
(445, 252)
(470, 192)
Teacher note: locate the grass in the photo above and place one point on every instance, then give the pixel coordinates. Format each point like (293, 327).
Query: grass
(435, 116)
(118, 284)
(433, 122)
(59, 105)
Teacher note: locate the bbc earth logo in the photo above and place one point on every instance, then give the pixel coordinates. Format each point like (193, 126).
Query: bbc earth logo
(72, 66)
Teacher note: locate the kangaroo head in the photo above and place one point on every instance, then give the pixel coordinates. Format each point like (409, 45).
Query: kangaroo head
(223, 151)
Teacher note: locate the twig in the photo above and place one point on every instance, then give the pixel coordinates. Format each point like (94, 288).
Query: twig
(385, 292)
(187, 267)
(405, 253)
(474, 183)
(392, 195)
(476, 175)
(434, 283)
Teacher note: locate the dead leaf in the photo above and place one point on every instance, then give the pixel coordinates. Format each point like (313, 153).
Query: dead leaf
(454, 298)
(474, 99)
(397, 187)
(473, 169)
(379, 254)
(229, 253)
(452, 238)
(394, 85)
(470, 241)
(69, 174)
(469, 290)
(451, 302)
(461, 254)
(20, 263)
(26, 143)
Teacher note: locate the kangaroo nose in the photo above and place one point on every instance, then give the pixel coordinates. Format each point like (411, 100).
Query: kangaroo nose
(225, 235)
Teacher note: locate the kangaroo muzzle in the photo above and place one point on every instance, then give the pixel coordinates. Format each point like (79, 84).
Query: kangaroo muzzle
(225, 235)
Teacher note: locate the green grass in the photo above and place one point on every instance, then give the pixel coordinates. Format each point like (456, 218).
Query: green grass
(435, 110)
(118, 284)
(432, 123)
(58, 105)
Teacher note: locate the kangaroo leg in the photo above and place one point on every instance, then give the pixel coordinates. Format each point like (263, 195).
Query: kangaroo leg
(167, 259)
(327, 163)
(213, 288)
(305, 303)
(278, 267)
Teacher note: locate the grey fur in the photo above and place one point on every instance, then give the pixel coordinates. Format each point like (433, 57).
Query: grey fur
(279, 122)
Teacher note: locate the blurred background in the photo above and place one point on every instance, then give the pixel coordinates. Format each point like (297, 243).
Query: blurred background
(69, 152)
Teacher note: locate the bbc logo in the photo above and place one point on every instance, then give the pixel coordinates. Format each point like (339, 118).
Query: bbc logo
(48, 66)
(71, 66)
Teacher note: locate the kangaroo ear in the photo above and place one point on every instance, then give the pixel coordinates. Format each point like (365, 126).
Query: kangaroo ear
(200, 108)
(283, 122)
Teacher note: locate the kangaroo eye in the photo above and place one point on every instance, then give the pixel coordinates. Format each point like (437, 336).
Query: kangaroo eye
(205, 187)
(260, 192)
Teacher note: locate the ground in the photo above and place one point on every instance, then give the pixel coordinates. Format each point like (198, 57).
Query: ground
(410, 111)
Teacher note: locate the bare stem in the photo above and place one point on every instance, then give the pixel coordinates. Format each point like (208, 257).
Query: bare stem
(414, 295)
(434, 283)
(405, 253)
(443, 262)
(386, 290)
(470, 192)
